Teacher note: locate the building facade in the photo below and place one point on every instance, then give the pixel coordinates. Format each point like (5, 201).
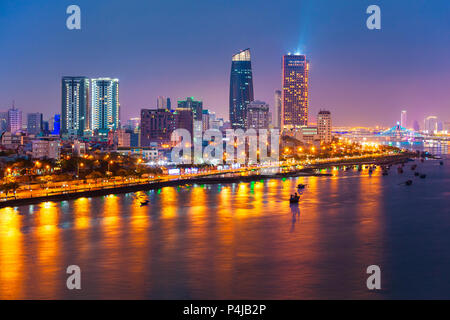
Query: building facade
(258, 115)
(403, 119)
(195, 106)
(35, 123)
(241, 88)
(277, 109)
(295, 72)
(156, 126)
(105, 105)
(48, 149)
(3, 121)
(184, 119)
(324, 126)
(430, 124)
(14, 120)
(75, 106)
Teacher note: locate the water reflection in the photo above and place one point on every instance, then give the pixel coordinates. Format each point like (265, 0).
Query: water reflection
(228, 241)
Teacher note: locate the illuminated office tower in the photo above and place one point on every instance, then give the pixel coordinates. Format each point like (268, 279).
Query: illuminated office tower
(14, 120)
(403, 119)
(75, 104)
(241, 88)
(105, 105)
(277, 109)
(295, 91)
(324, 126)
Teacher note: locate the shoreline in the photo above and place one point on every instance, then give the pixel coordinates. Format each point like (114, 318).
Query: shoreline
(305, 172)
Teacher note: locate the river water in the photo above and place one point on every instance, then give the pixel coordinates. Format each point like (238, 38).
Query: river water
(239, 241)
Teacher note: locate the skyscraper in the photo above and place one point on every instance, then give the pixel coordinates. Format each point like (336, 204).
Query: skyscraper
(3, 121)
(403, 119)
(430, 124)
(105, 105)
(295, 91)
(35, 123)
(241, 88)
(324, 126)
(75, 106)
(277, 109)
(14, 120)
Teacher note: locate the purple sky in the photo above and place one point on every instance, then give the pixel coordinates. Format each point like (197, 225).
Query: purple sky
(183, 48)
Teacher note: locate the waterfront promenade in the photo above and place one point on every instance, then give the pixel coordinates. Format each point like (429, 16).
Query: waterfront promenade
(32, 194)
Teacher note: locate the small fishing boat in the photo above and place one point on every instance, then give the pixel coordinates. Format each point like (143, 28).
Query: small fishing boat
(423, 176)
(301, 186)
(294, 198)
(416, 174)
(409, 182)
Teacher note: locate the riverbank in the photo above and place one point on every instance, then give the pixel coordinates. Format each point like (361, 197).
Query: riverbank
(310, 170)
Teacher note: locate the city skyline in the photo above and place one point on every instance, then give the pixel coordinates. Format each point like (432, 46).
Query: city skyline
(333, 36)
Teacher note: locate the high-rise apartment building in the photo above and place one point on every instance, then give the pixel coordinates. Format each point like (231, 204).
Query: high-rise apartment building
(105, 105)
(403, 119)
(295, 71)
(277, 109)
(14, 120)
(75, 106)
(205, 120)
(258, 115)
(241, 88)
(324, 126)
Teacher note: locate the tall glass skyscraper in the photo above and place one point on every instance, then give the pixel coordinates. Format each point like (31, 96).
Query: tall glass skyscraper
(241, 88)
(295, 91)
(75, 105)
(105, 105)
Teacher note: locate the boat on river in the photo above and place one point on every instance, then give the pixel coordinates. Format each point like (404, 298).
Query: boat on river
(295, 198)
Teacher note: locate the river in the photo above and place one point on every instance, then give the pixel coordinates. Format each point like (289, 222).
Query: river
(239, 241)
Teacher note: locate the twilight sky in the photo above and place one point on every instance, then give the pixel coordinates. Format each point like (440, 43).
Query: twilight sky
(181, 48)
